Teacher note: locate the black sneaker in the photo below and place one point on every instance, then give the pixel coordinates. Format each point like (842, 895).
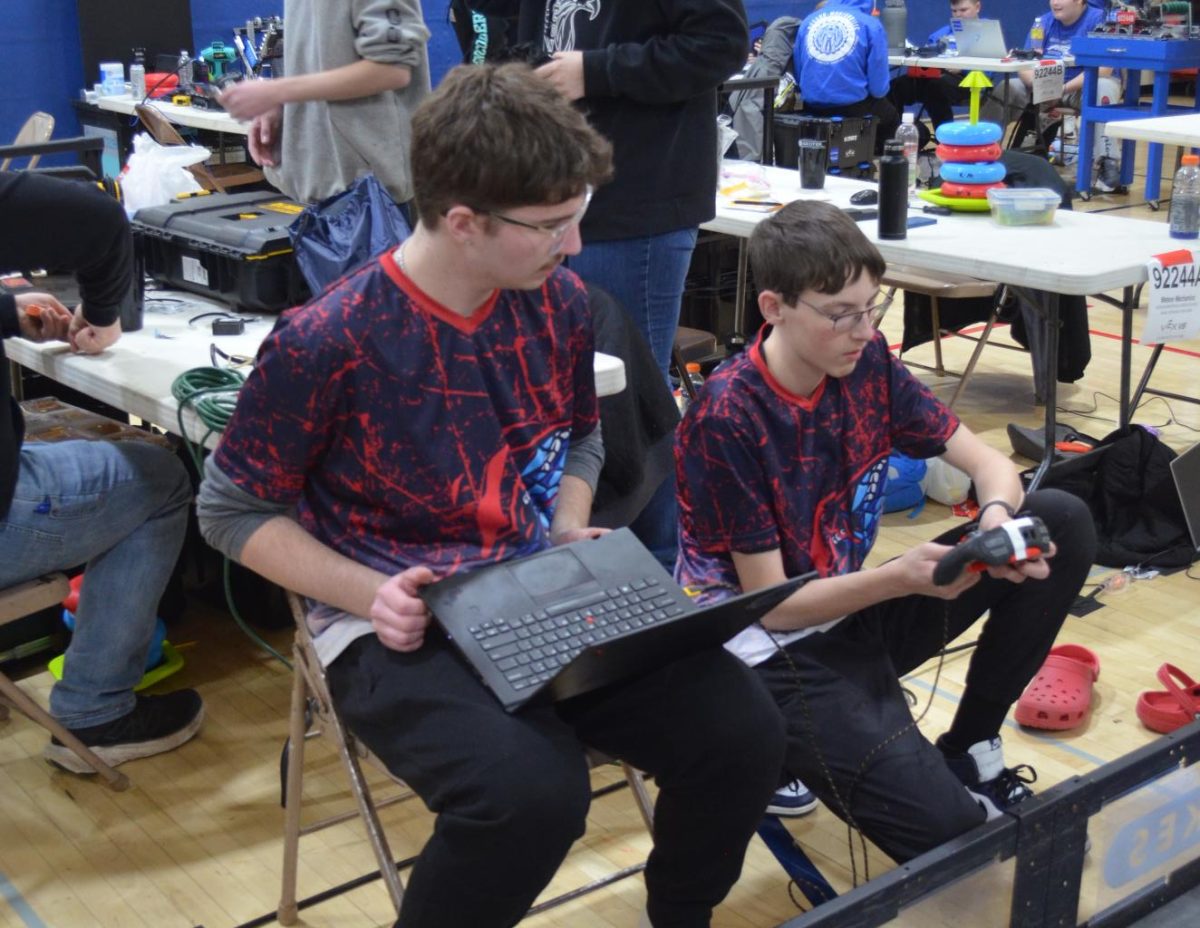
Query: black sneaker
(982, 771)
(156, 724)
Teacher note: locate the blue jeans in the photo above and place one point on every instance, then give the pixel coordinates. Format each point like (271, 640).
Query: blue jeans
(121, 508)
(646, 276)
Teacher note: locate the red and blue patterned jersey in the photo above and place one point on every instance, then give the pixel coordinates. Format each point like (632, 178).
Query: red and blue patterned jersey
(761, 468)
(407, 434)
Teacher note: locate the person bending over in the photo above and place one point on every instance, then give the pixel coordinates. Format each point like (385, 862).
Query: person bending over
(433, 412)
(119, 508)
(781, 468)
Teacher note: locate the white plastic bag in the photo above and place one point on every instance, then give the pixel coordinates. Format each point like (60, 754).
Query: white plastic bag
(155, 174)
(945, 483)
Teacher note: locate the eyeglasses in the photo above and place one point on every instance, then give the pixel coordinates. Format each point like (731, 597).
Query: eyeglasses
(557, 231)
(846, 322)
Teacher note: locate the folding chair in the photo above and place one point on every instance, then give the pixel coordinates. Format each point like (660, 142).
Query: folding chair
(211, 177)
(37, 129)
(944, 286)
(17, 602)
(311, 702)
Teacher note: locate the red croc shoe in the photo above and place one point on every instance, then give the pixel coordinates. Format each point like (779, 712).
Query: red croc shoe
(1164, 711)
(1060, 696)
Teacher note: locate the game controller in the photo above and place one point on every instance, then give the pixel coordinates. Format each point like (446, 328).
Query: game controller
(1023, 539)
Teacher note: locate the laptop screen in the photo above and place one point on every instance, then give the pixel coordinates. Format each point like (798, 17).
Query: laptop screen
(1186, 471)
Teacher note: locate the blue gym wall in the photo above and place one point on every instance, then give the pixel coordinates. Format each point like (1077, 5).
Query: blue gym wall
(40, 65)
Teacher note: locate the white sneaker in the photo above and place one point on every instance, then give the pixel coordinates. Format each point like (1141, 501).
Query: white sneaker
(793, 799)
(1108, 175)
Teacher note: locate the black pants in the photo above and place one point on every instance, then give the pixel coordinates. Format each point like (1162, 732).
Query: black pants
(939, 95)
(850, 733)
(887, 120)
(511, 792)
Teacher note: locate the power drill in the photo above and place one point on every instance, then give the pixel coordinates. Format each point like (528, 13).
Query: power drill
(216, 56)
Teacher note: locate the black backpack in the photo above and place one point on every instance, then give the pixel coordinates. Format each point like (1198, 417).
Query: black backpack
(1128, 486)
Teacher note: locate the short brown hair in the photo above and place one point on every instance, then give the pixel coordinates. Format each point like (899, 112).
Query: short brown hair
(494, 137)
(810, 245)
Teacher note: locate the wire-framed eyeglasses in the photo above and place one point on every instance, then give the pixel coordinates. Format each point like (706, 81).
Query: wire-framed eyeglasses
(556, 231)
(845, 322)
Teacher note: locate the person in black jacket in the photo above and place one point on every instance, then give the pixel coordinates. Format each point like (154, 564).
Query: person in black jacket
(119, 507)
(646, 76)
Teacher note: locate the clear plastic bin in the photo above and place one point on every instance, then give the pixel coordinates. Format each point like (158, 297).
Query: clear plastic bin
(1025, 206)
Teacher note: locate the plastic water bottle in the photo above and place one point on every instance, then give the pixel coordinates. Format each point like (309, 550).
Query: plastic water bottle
(1036, 35)
(137, 75)
(908, 136)
(1185, 199)
(185, 72)
(895, 25)
(694, 375)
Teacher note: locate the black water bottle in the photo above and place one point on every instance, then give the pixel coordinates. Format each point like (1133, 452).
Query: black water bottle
(893, 191)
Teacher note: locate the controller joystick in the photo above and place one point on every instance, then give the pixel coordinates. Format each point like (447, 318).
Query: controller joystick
(1023, 539)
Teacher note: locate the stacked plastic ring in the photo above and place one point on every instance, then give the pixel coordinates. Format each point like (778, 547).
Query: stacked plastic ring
(970, 156)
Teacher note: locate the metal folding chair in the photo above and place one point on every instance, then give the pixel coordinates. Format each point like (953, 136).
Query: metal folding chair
(17, 602)
(313, 713)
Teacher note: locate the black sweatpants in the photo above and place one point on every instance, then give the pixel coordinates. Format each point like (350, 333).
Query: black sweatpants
(850, 733)
(887, 120)
(511, 792)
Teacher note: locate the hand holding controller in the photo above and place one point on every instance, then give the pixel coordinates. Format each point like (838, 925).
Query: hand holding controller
(1019, 540)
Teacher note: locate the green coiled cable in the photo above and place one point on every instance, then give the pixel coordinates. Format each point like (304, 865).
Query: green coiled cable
(211, 393)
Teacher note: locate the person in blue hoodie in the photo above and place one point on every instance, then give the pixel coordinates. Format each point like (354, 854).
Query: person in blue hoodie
(1052, 35)
(842, 66)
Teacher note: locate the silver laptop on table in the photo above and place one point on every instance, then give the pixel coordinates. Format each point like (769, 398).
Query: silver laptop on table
(1186, 470)
(979, 38)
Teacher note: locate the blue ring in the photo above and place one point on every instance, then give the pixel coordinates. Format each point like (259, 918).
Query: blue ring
(978, 172)
(966, 133)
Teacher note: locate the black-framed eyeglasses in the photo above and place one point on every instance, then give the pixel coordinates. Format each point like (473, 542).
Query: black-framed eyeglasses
(845, 322)
(557, 231)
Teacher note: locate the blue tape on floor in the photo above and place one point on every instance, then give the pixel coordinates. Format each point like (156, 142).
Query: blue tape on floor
(18, 904)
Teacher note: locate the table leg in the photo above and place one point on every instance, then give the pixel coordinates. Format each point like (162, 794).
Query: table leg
(1087, 128)
(1128, 304)
(739, 306)
(1049, 313)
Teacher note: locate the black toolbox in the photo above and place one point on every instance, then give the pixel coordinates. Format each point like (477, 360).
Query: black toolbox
(851, 141)
(232, 247)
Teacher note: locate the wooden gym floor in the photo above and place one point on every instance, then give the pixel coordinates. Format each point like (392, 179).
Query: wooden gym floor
(196, 841)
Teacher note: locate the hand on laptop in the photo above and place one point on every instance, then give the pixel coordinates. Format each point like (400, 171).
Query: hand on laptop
(398, 614)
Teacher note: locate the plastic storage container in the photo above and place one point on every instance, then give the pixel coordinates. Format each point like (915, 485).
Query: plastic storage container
(232, 247)
(1026, 206)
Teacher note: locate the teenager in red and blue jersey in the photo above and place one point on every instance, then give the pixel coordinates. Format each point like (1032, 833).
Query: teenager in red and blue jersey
(435, 411)
(781, 466)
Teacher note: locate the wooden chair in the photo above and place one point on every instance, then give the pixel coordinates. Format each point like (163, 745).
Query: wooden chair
(15, 603)
(313, 713)
(37, 129)
(944, 286)
(217, 177)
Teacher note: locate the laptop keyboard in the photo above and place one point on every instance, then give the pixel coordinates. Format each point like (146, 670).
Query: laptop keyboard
(531, 649)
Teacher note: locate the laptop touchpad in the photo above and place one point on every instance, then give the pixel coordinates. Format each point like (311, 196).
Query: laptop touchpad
(548, 576)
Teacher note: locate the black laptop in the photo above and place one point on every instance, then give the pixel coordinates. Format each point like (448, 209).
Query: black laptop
(573, 618)
(1185, 468)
